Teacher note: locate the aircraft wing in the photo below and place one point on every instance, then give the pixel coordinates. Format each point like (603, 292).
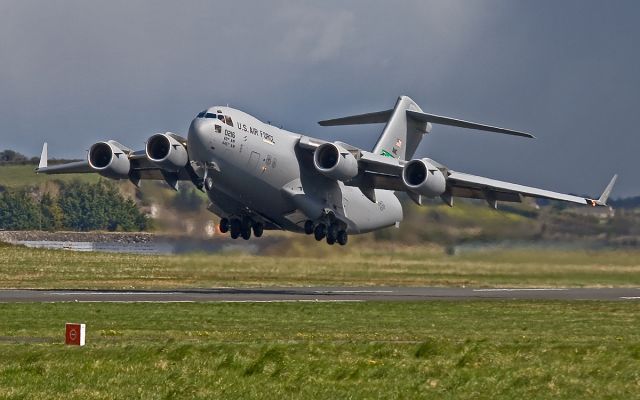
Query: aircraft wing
(135, 165)
(472, 186)
(381, 172)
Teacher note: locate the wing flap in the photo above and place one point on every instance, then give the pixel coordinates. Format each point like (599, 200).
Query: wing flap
(76, 167)
(478, 186)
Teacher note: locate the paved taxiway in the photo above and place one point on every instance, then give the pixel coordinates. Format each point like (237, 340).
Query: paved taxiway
(318, 294)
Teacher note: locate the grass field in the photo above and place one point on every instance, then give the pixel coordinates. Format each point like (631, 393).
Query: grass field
(15, 176)
(315, 350)
(387, 265)
(483, 349)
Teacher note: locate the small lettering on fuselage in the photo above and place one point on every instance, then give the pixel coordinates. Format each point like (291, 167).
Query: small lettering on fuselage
(229, 139)
(256, 132)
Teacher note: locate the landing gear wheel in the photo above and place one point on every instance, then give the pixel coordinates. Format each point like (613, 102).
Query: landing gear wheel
(224, 225)
(308, 227)
(332, 234)
(342, 238)
(320, 232)
(208, 183)
(258, 229)
(245, 229)
(235, 228)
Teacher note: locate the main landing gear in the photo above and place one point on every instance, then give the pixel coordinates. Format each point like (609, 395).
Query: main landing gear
(241, 227)
(333, 232)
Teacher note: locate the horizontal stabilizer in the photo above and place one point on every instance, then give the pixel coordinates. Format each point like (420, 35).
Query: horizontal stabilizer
(440, 120)
(370, 118)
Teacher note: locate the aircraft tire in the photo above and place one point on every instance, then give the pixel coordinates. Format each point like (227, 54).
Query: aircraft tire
(258, 229)
(224, 225)
(245, 228)
(342, 238)
(332, 234)
(308, 227)
(235, 228)
(320, 232)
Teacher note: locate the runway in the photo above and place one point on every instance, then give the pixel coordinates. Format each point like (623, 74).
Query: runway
(318, 294)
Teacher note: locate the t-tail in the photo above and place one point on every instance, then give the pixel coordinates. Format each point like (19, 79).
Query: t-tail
(406, 124)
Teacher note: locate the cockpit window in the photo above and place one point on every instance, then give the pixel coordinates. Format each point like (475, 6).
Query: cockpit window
(228, 120)
(201, 115)
(221, 117)
(209, 115)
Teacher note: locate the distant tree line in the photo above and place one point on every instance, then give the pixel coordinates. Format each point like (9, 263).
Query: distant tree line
(11, 157)
(78, 206)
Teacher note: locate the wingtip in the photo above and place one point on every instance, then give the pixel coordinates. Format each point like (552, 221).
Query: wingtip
(43, 158)
(602, 201)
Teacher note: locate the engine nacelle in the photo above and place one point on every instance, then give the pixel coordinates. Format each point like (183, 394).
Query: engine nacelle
(166, 152)
(109, 160)
(335, 162)
(423, 178)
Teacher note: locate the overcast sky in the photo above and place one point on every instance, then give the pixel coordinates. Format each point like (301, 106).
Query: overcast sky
(75, 72)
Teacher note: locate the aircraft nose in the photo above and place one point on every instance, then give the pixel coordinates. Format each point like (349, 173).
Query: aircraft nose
(199, 136)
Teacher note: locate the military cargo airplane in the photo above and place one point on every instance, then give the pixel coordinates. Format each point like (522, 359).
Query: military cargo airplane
(259, 177)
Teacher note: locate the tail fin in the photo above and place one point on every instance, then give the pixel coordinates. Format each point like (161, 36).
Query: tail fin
(402, 134)
(406, 124)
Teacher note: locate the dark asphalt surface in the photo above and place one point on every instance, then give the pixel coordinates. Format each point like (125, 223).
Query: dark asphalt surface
(318, 294)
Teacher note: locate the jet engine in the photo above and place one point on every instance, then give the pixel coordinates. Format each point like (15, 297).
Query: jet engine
(109, 160)
(335, 162)
(423, 178)
(166, 152)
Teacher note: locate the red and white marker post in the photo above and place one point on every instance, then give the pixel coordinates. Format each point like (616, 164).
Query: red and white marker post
(74, 334)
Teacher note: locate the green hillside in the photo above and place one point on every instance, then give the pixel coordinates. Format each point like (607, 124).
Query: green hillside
(14, 176)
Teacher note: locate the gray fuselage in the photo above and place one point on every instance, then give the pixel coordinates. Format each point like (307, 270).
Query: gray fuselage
(258, 170)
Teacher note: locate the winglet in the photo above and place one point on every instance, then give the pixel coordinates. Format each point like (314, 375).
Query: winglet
(43, 158)
(602, 201)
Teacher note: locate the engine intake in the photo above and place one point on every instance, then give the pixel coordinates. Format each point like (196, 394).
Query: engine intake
(166, 152)
(423, 178)
(335, 162)
(109, 160)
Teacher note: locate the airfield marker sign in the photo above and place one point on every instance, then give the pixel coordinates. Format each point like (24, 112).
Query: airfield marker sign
(74, 334)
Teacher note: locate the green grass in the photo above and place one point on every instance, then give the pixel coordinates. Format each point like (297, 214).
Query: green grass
(17, 176)
(355, 265)
(482, 349)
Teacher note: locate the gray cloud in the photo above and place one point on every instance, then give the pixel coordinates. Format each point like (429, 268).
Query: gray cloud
(73, 72)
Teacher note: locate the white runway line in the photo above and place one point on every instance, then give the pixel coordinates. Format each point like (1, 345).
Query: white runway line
(126, 301)
(519, 289)
(351, 291)
(113, 293)
(213, 301)
(630, 298)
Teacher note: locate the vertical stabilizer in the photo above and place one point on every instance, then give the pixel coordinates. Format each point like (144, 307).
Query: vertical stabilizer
(402, 134)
